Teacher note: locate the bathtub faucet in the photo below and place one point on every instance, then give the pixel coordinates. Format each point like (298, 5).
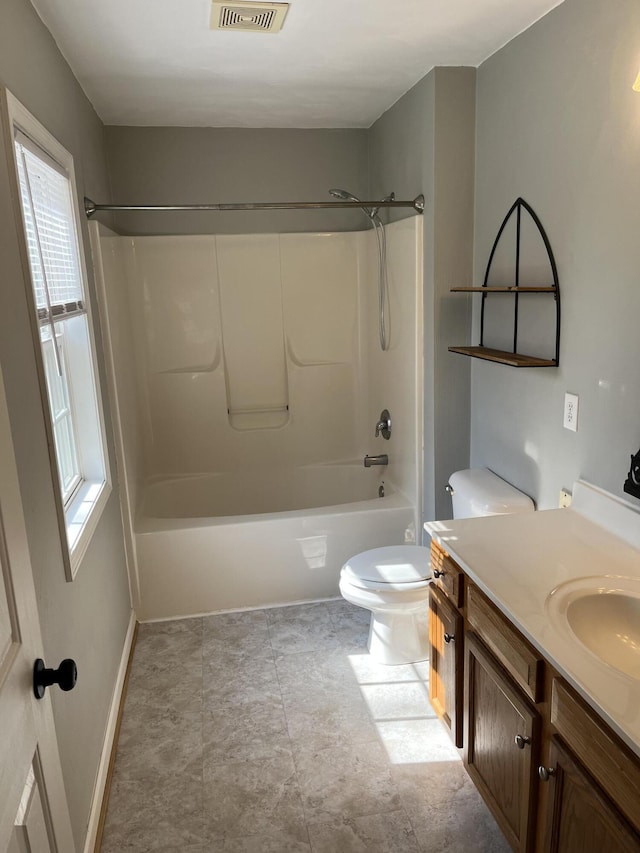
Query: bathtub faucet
(383, 459)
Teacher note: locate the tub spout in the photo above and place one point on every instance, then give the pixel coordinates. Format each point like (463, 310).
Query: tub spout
(383, 459)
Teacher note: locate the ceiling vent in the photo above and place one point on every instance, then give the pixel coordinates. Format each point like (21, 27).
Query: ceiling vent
(255, 17)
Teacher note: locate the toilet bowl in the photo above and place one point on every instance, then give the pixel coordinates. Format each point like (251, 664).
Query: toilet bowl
(393, 582)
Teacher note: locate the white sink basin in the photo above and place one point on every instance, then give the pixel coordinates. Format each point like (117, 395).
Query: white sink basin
(603, 613)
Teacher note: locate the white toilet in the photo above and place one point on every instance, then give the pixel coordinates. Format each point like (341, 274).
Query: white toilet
(393, 582)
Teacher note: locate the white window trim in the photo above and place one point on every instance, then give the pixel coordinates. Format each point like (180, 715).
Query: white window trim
(81, 515)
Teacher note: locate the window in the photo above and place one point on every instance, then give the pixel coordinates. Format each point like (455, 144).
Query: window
(64, 335)
(56, 370)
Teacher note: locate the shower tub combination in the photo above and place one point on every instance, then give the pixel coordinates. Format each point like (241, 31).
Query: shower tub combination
(208, 543)
(248, 375)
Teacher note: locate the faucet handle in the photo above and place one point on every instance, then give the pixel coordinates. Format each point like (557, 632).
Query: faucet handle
(384, 424)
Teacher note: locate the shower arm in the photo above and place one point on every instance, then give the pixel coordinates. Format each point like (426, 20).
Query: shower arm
(91, 208)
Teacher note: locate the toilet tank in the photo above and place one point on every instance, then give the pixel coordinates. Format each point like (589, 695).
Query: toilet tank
(478, 491)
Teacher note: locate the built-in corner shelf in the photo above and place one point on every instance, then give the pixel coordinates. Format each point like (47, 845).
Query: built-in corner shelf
(514, 358)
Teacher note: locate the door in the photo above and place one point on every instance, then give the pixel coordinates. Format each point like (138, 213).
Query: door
(446, 663)
(501, 744)
(34, 817)
(581, 819)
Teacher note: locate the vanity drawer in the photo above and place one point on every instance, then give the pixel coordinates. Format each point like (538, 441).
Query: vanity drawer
(446, 575)
(519, 658)
(609, 762)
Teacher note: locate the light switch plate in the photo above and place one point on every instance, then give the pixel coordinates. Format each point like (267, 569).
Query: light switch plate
(570, 412)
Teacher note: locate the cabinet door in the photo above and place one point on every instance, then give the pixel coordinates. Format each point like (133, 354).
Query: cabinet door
(446, 662)
(580, 818)
(502, 735)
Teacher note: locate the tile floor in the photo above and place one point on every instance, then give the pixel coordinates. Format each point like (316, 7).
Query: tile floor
(272, 731)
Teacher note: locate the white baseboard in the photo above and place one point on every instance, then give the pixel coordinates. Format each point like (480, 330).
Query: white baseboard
(107, 746)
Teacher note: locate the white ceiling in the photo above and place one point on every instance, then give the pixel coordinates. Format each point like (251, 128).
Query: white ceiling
(336, 63)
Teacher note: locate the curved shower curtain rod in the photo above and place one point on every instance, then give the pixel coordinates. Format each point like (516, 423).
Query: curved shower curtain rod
(92, 208)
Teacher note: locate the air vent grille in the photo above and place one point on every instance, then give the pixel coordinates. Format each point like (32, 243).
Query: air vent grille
(259, 19)
(254, 17)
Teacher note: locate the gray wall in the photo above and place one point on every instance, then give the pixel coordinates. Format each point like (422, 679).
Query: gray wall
(453, 265)
(187, 165)
(85, 619)
(559, 124)
(425, 143)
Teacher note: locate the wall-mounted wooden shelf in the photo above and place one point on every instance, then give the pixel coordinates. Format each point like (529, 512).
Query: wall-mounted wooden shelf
(514, 358)
(513, 289)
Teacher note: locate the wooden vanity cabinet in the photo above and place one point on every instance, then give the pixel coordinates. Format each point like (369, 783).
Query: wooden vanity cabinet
(501, 744)
(553, 773)
(446, 662)
(580, 818)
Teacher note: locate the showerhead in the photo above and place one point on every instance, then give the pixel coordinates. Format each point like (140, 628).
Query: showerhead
(343, 194)
(346, 196)
(372, 212)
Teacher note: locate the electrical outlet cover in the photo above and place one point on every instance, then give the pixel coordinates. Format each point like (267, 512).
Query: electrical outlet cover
(564, 500)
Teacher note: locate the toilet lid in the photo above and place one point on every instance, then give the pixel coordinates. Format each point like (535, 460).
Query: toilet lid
(394, 566)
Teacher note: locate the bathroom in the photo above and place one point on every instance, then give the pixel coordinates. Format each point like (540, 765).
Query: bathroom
(545, 112)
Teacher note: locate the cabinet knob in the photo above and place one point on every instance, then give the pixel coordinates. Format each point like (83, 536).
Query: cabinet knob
(65, 676)
(448, 638)
(521, 741)
(438, 574)
(545, 773)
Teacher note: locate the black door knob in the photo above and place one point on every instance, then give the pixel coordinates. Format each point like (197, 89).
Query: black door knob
(65, 676)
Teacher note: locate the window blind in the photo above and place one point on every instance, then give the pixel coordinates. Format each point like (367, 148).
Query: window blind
(50, 231)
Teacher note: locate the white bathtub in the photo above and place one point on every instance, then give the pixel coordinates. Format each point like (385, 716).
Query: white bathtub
(207, 543)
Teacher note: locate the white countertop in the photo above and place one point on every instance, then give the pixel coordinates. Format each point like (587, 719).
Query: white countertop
(517, 560)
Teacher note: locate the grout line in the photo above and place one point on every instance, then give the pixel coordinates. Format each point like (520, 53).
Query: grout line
(413, 829)
(293, 759)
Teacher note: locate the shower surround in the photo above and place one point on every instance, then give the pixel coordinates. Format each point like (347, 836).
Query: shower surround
(247, 379)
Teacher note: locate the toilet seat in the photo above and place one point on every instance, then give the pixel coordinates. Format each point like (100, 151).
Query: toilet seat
(392, 568)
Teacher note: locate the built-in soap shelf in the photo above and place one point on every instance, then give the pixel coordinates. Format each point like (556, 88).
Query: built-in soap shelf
(266, 417)
(296, 360)
(513, 358)
(195, 368)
